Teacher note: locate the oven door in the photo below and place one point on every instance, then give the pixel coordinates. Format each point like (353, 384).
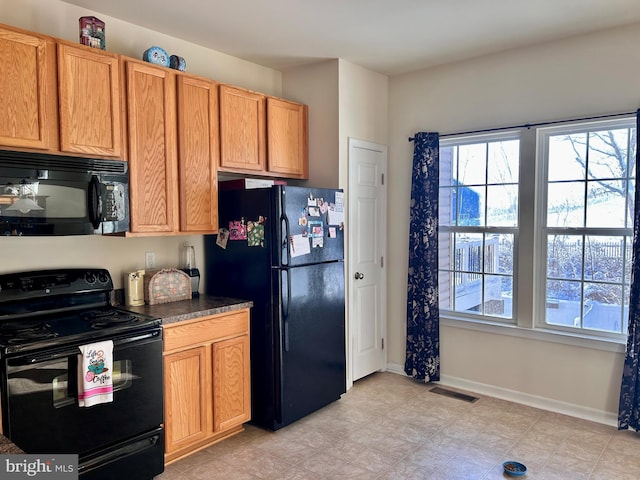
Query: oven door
(40, 406)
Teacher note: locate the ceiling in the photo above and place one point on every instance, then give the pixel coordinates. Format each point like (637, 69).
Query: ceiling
(387, 36)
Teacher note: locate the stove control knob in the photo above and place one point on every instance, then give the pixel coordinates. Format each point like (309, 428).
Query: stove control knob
(90, 278)
(103, 278)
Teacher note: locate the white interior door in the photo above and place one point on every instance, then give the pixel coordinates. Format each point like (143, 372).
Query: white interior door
(367, 250)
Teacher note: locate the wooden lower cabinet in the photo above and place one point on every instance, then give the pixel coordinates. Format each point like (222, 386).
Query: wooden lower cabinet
(206, 381)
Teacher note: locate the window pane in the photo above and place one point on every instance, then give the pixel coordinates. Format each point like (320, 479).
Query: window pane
(472, 164)
(565, 204)
(445, 275)
(564, 256)
(563, 302)
(502, 205)
(603, 258)
(468, 267)
(563, 152)
(602, 307)
(628, 259)
(606, 203)
(470, 206)
(498, 296)
(468, 256)
(498, 256)
(446, 206)
(608, 153)
(625, 311)
(504, 160)
(446, 166)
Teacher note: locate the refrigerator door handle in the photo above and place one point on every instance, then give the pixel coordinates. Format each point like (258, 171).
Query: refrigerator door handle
(285, 312)
(285, 241)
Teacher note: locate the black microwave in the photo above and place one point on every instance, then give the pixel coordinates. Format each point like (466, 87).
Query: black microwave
(55, 195)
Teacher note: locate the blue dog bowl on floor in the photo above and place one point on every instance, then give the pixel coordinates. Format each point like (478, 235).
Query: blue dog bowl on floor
(515, 469)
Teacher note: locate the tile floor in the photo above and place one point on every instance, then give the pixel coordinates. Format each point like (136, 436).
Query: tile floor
(391, 427)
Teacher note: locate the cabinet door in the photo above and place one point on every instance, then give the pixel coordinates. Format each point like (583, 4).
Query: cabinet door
(198, 152)
(242, 130)
(28, 97)
(89, 96)
(231, 383)
(151, 120)
(186, 394)
(287, 138)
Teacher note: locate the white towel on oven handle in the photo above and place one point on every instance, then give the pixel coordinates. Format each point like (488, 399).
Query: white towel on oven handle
(95, 369)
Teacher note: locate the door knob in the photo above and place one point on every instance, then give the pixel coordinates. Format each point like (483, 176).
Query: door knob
(359, 276)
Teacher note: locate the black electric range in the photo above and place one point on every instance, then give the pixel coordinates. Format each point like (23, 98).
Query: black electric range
(46, 316)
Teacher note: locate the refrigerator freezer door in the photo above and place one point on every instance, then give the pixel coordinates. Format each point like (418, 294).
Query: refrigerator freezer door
(311, 337)
(312, 216)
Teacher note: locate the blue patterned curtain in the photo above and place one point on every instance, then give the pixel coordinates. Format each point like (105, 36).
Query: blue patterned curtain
(629, 407)
(423, 315)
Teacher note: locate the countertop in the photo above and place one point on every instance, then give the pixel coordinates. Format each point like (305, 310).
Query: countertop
(7, 446)
(200, 306)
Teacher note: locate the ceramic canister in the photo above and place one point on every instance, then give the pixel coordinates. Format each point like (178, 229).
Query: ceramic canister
(177, 63)
(134, 288)
(156, 55)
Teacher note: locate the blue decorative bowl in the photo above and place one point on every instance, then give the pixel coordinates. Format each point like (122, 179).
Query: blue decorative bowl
(156, 55)
(515, 469)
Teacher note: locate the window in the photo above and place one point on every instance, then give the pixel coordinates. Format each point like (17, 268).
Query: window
(587, 227)
(478, 224)
(571, 187)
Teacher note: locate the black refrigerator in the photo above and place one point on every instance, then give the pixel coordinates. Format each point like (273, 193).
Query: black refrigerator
(282, 247)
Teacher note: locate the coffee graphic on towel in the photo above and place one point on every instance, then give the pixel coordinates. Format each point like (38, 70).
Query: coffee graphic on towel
(96, 367)
(95, 364)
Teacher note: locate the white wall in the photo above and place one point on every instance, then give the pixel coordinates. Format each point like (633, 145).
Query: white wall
(587, 75)
(316, 85)
(59, 19)
(364, 110)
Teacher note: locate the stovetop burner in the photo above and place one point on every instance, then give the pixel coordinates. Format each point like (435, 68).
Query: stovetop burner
(20, 332)
(107, 318)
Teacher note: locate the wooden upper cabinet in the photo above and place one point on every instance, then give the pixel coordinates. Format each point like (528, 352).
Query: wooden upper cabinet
(242, 130)
(28, 98)
(287, 150)
(151, 120)
(89, 96)
(198, 154)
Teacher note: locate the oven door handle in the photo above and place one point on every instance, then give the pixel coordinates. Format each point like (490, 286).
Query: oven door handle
(52, 355)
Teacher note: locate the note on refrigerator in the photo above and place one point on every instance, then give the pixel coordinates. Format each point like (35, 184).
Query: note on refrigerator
(299, 245)
(335, 214)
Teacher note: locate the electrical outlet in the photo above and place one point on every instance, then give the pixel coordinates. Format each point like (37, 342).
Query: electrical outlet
(150, 259)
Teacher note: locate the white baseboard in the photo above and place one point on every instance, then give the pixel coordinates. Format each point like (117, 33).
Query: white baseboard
(573, 410)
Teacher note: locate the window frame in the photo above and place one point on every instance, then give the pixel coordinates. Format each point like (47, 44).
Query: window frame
(542, 230)
(529, 266)
(462, 140)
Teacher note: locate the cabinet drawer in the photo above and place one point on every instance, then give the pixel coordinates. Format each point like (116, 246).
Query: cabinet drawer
(205, 330)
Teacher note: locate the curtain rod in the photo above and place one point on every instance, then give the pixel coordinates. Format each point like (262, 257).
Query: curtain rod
(529, 125)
